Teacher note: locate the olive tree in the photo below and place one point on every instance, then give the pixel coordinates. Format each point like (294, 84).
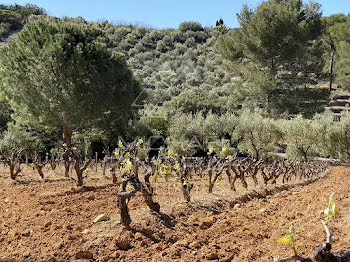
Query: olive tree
(256, 134)
(339, 138)
(15, 143)
(190, 134)
(326, 134)
(321, 136)
(60, 74)
(300, 136)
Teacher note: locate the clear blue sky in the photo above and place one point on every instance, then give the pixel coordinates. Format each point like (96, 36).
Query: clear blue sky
(160, 13)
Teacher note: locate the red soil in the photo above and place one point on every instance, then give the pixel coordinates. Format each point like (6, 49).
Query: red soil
(49, 222)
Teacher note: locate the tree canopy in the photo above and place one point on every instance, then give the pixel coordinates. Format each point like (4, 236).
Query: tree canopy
(177, 83)
(60, 74)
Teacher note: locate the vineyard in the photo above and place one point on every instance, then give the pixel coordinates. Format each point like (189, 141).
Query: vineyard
(173, 219)
(196, 143)
(172, 189)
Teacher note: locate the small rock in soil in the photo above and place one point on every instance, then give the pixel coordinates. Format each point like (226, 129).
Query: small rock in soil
(138, 236)
(193, 219)
(183, 243)
(123, 241)
(101, 218)
(237, 206)
(195, 245)
(86, 231)
(26, 233)
(212, 256)
(67, 209)
(207, 222)
(106, 259)
(84, 255)
(116, 254)
(92, 197)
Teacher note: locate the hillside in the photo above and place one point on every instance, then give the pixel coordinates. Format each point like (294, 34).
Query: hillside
(183, 71)
(181, 68)
(14, 17)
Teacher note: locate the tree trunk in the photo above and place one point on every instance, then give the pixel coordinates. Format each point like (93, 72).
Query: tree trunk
(123, 196)
(78, 170)
(264, 176)
(244, 183)
(53, 164)
(67, 136)
(211, 185)
(213, 181)
(232, 179)
(254, 171)
(185, 184)
(66, 168)
(210, 188)
(136, 167)
(254, 175)
(114, 177)
(242, 177)
(39, 168)
(147, 194)
(331, 68)
(12, 171)
(104, 166)
(186, 192)
(80, 180)
(125, 218)
(305, 156)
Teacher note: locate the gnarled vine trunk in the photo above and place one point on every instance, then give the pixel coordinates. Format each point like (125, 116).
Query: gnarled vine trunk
(124, 195)
(71, 154)
(39, 168)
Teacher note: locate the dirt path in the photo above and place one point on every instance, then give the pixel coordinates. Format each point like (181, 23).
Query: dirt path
(39, 223)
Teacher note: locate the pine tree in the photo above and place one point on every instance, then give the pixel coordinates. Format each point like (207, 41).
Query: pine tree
(60, 75)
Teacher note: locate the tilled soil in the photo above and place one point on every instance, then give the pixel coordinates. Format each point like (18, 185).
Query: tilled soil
(48, 221)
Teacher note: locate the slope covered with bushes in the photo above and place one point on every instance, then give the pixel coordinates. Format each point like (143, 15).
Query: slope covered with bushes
(181, 68)
(13, 17)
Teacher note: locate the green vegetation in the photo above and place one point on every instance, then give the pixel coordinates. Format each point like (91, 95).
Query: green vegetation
(174, 103)
(184, 88)
(13, 17)
(64, 77)
(180, 69)
(290, 239)
(15, 143)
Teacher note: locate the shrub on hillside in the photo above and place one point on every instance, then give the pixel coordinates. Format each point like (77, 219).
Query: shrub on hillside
(190, 26)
